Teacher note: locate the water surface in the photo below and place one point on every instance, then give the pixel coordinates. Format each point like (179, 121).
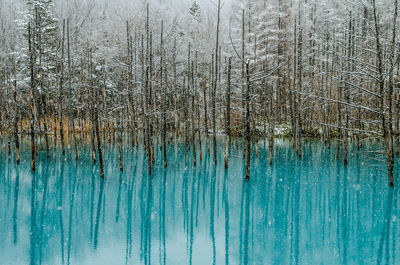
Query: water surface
(298, 211)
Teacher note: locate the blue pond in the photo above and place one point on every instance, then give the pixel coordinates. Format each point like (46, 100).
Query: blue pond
(298, 211)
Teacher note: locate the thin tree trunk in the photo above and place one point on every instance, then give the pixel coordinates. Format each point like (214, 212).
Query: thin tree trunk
(121, 164)
(16, 113)
(204, 86)
(192, 115)
(247, 124)
(347, 97)
(43, 101)
(215, 86)
(96, 117)
(228, 113)
(92, 138)
(32, 99)
(298, 103)
(70, 76)
(164, 100)
(60, 97)
(228, 102)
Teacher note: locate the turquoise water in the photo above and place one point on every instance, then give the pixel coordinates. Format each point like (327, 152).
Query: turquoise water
(308, 211)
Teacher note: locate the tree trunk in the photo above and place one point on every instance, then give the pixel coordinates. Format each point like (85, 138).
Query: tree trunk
(16, 113)
(60, 96)
(215, 86)
(247, 124)
(32, 99)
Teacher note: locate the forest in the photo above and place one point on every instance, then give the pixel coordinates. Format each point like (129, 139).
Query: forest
(87, 73)
(200, 84)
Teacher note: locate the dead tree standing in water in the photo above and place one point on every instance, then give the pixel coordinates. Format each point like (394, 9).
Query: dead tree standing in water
(247, 132)
(96, 104)
(192, 115)
(41, 84)
(70, 76)
(120, 128)
(60, 92)
(299, 88)
(214, 92)
(164, 100)
(96, 120)
(16, 113)
(228, 113)
(390, 144)
(32, 98)
(247, 123)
